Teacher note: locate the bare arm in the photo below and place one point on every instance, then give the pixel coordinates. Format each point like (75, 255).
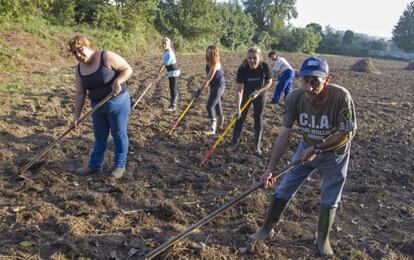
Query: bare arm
(117, 63)
(161, 68)
(80, 95)
(209, 77)
(239, 96)
(335, 141)
(279, 148)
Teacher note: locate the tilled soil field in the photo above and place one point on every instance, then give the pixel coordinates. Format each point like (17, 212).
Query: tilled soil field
(59, 215)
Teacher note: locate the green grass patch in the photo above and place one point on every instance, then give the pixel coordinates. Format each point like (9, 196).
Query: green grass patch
(14, 87)
(7, 57)
(357, 255)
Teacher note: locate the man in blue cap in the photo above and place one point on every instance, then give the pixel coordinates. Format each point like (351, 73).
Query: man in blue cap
(325, 114)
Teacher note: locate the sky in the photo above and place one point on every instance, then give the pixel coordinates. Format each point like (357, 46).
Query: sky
(372, 17)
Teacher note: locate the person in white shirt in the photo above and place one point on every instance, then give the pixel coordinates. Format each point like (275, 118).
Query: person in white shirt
(173, 72)
(286, 75)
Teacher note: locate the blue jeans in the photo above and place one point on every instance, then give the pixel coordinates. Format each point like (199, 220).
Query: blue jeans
(333, 167)
(284, 85)
(112, 116)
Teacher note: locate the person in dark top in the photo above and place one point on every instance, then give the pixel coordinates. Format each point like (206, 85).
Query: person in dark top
(215, 78)
(253, 79)
(100, 73)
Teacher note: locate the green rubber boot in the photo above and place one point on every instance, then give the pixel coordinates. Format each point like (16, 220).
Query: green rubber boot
(276, 208)
(326, 218)
(257, 143)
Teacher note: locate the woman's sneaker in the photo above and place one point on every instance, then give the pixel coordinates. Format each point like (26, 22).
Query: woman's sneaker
(171, 108)
(211, 129)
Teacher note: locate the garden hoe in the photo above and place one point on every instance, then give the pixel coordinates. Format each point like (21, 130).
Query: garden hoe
(50, 146)
(212, 215)
(232, 122)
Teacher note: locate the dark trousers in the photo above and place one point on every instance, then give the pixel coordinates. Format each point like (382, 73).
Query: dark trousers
(258, 105)
(173, 83)
(214, 101)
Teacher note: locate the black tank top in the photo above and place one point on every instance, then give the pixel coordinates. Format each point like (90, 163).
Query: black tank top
(218, 78)
(99, 83)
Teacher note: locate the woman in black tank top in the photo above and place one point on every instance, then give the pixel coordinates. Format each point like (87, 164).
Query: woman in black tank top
(214, 79)
(98, 74)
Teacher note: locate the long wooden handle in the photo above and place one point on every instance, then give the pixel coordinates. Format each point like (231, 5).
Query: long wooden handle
(232, 122)
(211, 216)
(50, 146)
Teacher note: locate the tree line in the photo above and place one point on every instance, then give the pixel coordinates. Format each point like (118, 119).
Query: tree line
(234, 24)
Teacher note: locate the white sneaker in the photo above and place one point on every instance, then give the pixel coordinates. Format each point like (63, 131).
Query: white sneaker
(211, 130)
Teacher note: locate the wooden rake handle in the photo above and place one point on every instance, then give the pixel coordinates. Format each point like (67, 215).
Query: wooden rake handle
(51, 145)
(212, 215)
(232, 122)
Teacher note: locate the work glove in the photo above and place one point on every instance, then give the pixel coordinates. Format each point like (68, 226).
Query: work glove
(197, 94)
(254, 94)
(237, 112)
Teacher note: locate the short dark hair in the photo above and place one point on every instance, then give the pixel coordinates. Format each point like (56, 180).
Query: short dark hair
(271, 53)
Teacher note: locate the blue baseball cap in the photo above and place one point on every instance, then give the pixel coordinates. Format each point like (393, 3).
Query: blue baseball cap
(314, 66)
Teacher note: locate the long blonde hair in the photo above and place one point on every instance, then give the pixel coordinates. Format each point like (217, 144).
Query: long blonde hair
(214, 58)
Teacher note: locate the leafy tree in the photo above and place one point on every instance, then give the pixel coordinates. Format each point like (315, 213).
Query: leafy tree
(304, 40)
(403, 33)
(108, 16)
(85, 10)
(236, 27)
(196, 19)
(193, 20)
(331, 41)
(165, 18)
(123, 15)
(380, 45)
(145, 9)
(62, 12)
(12, 10)
(262, 38)
(348, 37)
(316, 28)
(269, 15)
